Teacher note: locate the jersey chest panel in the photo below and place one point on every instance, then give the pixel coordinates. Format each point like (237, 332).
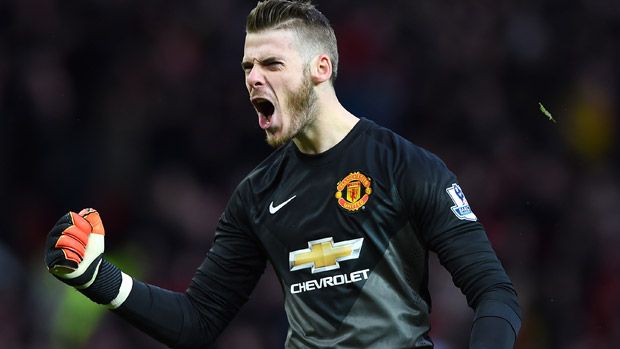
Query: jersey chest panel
(325, 228)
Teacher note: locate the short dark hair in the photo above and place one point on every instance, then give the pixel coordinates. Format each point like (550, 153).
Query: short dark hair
(302, 17)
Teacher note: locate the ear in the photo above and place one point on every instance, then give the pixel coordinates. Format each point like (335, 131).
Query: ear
(321, 69)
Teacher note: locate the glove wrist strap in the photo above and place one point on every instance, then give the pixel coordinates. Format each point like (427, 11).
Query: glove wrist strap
(107, 284)
(123, 292)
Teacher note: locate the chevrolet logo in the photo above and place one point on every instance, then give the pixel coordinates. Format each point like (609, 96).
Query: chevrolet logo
(324, 254)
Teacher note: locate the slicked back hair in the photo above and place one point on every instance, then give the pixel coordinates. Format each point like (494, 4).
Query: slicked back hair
(310, 25)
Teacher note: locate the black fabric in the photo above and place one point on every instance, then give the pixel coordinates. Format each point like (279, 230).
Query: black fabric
(170, 317)
(492, 333)
(292, 202)
(504, 309)
(106, 285)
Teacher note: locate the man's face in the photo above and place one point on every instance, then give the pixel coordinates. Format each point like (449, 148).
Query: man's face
(279, 84)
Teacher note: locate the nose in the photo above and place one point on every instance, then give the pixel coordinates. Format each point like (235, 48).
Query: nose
(254, 78)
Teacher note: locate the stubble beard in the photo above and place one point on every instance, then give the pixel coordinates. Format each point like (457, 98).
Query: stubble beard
(302, 110)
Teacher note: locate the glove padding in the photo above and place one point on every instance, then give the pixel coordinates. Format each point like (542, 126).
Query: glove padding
(74, 254)
(75, 247)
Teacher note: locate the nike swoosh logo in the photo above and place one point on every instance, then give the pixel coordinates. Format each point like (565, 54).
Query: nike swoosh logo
(275, 209)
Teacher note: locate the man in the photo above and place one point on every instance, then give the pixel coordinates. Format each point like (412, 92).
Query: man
(346, 211)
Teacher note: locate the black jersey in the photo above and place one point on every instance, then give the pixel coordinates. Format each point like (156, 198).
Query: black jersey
(348, 233)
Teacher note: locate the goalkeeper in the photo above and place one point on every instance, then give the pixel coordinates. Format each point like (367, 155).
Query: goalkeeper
(345, 210)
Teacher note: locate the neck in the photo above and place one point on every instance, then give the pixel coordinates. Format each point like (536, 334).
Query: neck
(331, 124)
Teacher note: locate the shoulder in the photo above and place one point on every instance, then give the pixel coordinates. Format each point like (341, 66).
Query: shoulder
(252, 189)
(403, 153)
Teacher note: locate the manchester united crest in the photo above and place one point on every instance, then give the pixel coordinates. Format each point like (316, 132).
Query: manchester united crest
(353, 191)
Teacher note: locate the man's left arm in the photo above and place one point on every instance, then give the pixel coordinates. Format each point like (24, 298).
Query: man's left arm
(451, 229)
(466, 253)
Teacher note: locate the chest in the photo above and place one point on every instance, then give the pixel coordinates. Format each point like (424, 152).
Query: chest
(327, 212)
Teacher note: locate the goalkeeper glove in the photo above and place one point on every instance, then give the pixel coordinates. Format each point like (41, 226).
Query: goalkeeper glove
(74, 255)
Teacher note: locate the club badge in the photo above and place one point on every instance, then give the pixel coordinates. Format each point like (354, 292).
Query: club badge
(353, 191)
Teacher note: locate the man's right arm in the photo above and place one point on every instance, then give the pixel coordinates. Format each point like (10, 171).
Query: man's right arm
(220, 286)
(190, 319)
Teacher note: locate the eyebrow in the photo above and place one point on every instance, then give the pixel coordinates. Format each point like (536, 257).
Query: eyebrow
(265, 61)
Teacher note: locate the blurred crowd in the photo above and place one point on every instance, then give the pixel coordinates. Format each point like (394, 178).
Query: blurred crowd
(138, 108)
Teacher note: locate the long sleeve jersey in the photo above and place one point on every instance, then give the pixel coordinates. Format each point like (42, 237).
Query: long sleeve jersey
(348, 232)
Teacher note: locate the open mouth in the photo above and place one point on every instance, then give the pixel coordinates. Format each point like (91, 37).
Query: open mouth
(263, 106)
(265, 110)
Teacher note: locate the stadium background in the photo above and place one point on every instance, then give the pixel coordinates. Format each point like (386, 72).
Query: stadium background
(138, 108)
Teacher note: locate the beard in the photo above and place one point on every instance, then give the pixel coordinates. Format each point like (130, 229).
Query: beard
(302, 110)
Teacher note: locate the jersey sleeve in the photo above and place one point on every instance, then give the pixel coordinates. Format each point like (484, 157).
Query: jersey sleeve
(220, 286)
(448, 226)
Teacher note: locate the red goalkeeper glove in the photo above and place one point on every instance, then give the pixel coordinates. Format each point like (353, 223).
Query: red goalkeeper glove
(74, 254)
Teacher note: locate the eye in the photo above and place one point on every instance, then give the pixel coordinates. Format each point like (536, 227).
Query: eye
(247, 67)
(274, 65)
